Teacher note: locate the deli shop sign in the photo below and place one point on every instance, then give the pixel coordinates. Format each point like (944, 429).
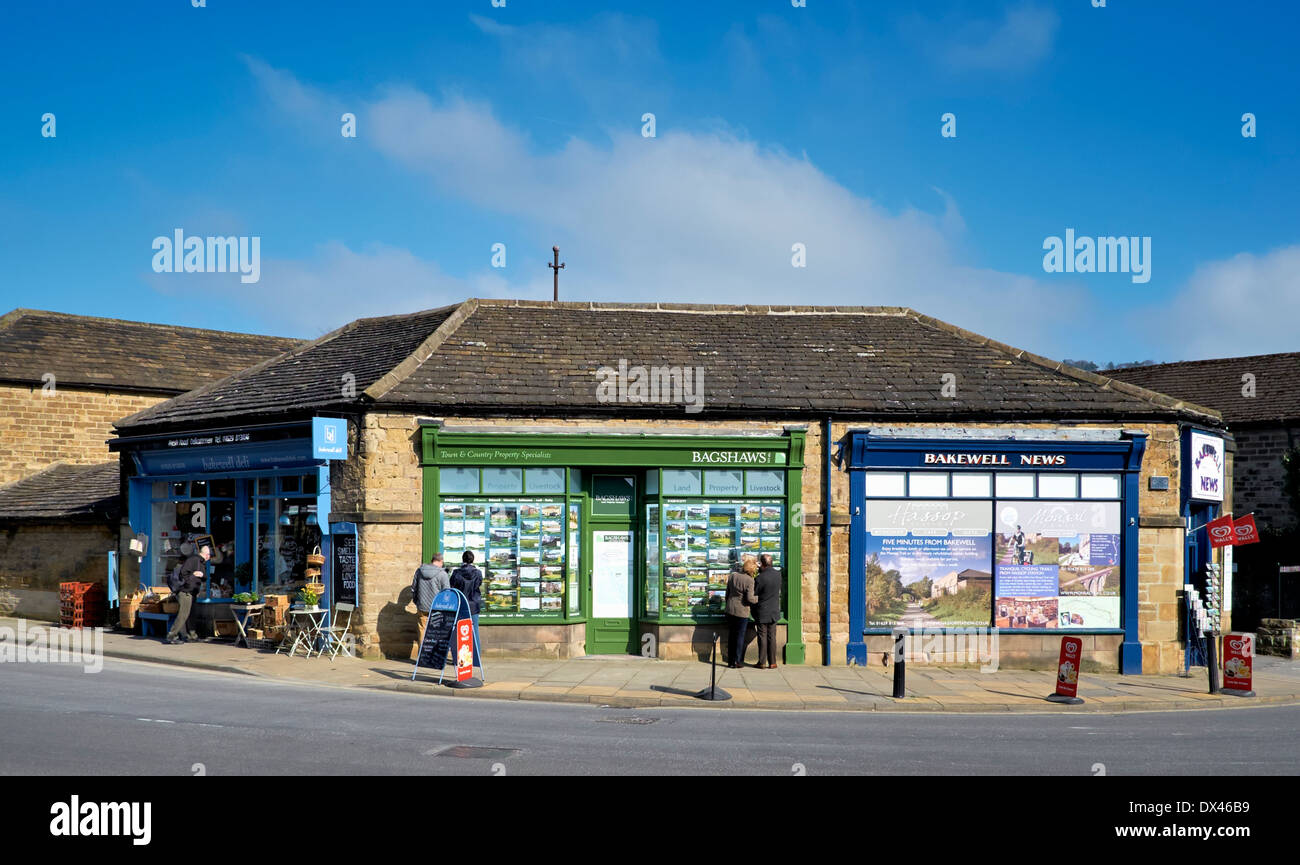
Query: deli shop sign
(994, 460)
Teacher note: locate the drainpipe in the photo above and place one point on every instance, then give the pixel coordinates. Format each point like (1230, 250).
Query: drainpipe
(826, 558)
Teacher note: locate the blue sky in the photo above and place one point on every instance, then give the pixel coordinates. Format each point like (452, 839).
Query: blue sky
(775, 125)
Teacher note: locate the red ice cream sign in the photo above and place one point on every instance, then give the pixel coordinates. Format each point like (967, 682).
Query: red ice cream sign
(1220, 531)
(464, 650)
(1238, 658)
(1067, 670)
(1244, 531)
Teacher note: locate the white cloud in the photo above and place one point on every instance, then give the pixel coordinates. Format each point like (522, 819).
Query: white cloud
(1247, 304)
(1022, 37)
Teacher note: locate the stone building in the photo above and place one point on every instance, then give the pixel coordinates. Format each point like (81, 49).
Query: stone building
(64, 379)
(608, 463)
(1259, 399)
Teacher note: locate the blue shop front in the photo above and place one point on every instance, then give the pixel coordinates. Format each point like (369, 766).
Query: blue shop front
(1024, 535)
(260, 495)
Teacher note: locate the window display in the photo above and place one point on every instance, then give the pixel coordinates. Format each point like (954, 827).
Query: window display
(704, 539)
(520, 544)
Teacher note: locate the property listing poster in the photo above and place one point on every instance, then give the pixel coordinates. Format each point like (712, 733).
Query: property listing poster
(1057, 565)
(520, 547)
(704, 540)
(928, 563)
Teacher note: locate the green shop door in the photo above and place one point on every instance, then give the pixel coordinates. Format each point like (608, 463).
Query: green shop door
(611, 628)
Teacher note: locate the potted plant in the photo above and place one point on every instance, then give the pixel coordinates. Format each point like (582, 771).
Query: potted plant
(309, 598)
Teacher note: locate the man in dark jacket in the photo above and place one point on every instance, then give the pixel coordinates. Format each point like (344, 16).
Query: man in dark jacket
(193, 573)
(469, 580)
(767, 585)
(429, 580)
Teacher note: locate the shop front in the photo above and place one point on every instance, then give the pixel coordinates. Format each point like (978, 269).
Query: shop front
(613, 543)
(1030, 534)
(258, 496)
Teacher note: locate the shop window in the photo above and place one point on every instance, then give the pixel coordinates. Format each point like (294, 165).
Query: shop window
(886, 484)
(520, 546)
(927, 485)
(653, 577)
(764, 483)
(263, 486)
(503, 480)
(1015, 485)
(682, 482)
(457, 480)
(1058, 486)
(290, 484)
(575, 481)
(652, 482)
(1099, 486)
(288, 530)
(309, 485)
(544, 481)
(224, 489)
(573, 557)
(180, 489)
(198, 489)
(973, 485)
(701, 543)
(724, 483)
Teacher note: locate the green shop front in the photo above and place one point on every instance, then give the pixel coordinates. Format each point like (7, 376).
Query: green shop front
(613, 543)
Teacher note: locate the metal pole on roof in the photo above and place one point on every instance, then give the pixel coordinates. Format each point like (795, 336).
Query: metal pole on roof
(557, 267)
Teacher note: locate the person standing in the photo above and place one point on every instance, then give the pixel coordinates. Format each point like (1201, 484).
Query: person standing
(193, 573)
(767, 585)
(428, 581)
(469, 580)
(740, 598)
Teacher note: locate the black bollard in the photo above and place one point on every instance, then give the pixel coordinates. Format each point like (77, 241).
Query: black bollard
(900, 665)
(1212, 660)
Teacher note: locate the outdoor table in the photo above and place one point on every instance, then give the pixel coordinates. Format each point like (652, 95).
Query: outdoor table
(307, 624)
(242, 612)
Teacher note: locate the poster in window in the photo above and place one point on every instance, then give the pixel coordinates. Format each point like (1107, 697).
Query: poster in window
(1057, 565)
(928, 563)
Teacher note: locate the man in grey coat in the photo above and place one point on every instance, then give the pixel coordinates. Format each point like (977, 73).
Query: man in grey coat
(429, 580)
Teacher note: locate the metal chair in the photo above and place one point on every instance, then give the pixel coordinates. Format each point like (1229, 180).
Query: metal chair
(334, 639)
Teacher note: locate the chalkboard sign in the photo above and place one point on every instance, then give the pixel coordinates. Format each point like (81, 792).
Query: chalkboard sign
(345, 568)
(436, 639)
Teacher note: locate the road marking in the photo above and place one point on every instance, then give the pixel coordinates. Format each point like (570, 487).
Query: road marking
(155, 720)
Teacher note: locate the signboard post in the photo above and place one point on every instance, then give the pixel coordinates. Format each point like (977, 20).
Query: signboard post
(1067, 672)
(1238, 664)
(450, 624)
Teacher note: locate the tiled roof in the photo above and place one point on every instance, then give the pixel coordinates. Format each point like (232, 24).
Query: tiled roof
(63, 492)
(109, 354)
(331, 372)
(1222, 385)
(495, 356)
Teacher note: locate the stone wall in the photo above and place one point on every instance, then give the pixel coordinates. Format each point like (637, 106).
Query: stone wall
(385, 483)
(36, 557)
(1257, 474)
(69, 425)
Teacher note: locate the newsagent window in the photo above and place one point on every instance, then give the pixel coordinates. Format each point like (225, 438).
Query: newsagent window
(927, 485)
(886, 484)
(1099, 486)
(972, 485)
(1019, 485)
(1058, 486)
(1014, 563)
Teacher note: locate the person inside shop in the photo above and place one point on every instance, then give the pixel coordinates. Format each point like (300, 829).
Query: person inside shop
(767, 585)
(469, 580)
(429, 580)
(740, 600)
(193, 572)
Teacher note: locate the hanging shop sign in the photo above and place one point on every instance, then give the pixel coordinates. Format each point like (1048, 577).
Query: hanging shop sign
(1206, 461)
(1220, 532)
(329, 438)
(1244, 531)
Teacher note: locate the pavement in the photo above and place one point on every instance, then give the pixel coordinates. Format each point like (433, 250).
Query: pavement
(629, 681)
